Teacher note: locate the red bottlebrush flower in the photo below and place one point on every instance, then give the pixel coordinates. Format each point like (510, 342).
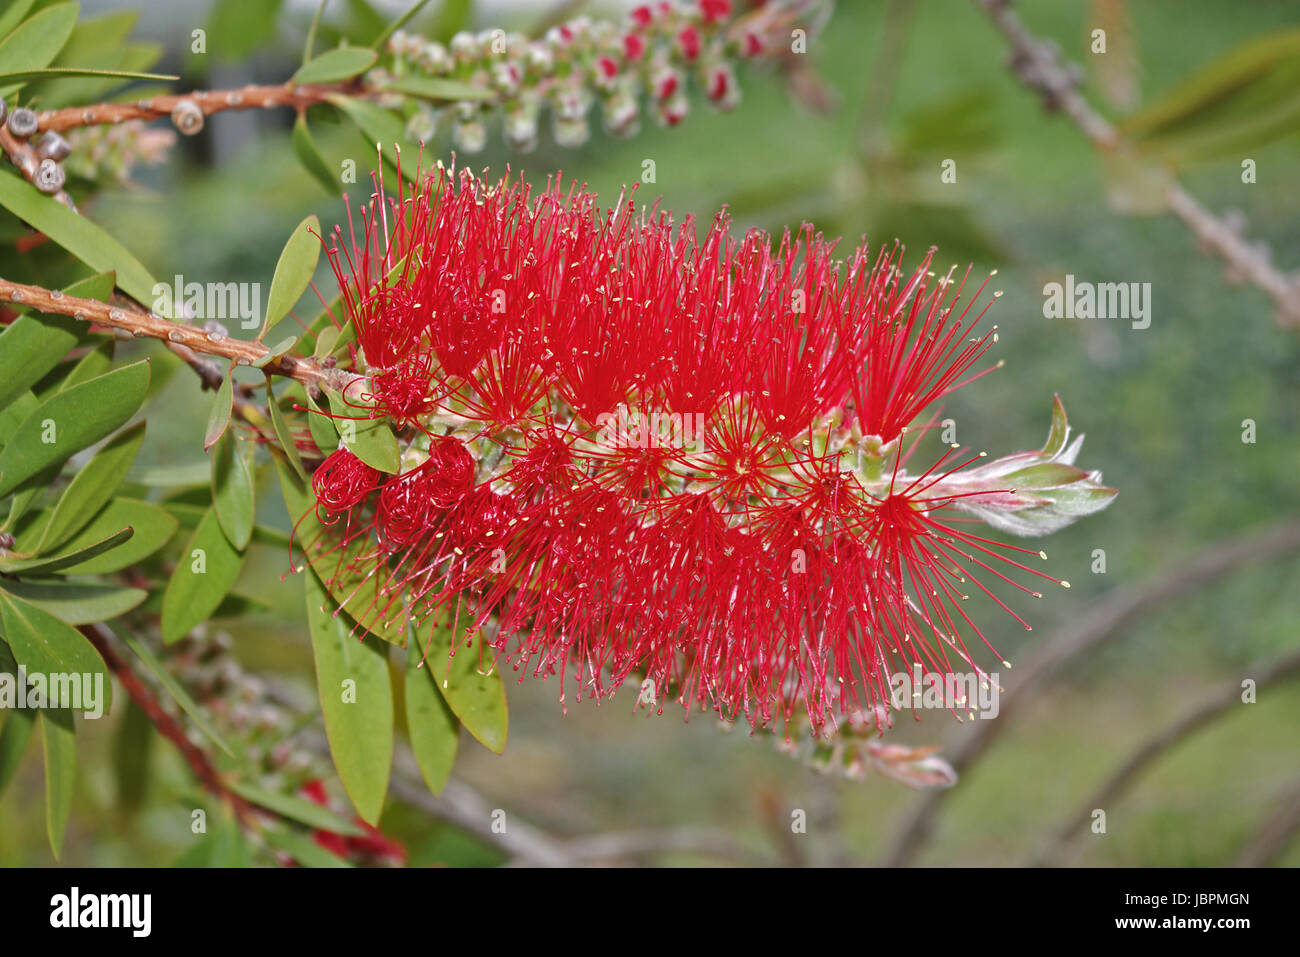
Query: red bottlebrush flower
(343, 481)
(678, 455)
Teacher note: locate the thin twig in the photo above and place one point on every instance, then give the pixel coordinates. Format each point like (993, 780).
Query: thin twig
(1104, 623)
(207, 102)
(1127, 774)
(1039, 65)
(200, 764)
(1272, 840)
(141, 324)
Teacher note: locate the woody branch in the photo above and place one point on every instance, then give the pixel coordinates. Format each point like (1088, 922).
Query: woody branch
(203, 342)
(1038, 64)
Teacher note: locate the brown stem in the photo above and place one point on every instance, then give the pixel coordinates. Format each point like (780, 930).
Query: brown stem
(306, 370)
(166, 725)
(1038, 65)
(1271, 841)
(1124, 777)
(207, 101)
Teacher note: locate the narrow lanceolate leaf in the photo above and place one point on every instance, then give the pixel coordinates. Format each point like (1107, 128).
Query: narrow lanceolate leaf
(131, 757)
(77, 603)
(370, 440)
(68, 557)
(275, 351)
(394, 26)
(151, 528)
(311, 158)
(304, 851)
(207, 568)
(91, 488)
(323, 432)
(232, 489)
(43, 644)
(295, 808)
(78, 235)
(283, 433)
(69, 421)
(32, 345)
(293, 272)
(382, 130)
(174, 688)
(336, 65)
(219, 415)
(38, 40)
(58, 736)
(356, 699)
(14, 735)
(470, 684)
(433, 727)
(13, 15)
(65, 73)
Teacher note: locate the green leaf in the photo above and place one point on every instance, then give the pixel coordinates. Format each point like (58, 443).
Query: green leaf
(283, 433)
(311, 158)
(336, 66)
(232, 489)
(370, 440)
(439, 89)
(91, 488)
(14, 735)
(43, 644)
(356, 699)
(383, 129)
(173, 476)
(39, 39)
(71, 420)
(78, 235)
(295, 808)
(388, 31)
(93, 364)
(67, 558)
(304, 851)
(219, 417)
(310, 44)
(433, 727)
(77, 603)
(63, 73)
(14, 15)
(323, 432)
(32, 345)
(131, 757)
(477, 696)
(293, 272)
(174, 688)
(58, 736)
(152, 527)
(277, 350)
(207, 568)
(238, 27)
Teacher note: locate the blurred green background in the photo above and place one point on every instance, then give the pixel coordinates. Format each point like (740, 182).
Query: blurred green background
(1162, 407)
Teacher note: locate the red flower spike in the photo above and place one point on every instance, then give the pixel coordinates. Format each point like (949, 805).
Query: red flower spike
(655, 451)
